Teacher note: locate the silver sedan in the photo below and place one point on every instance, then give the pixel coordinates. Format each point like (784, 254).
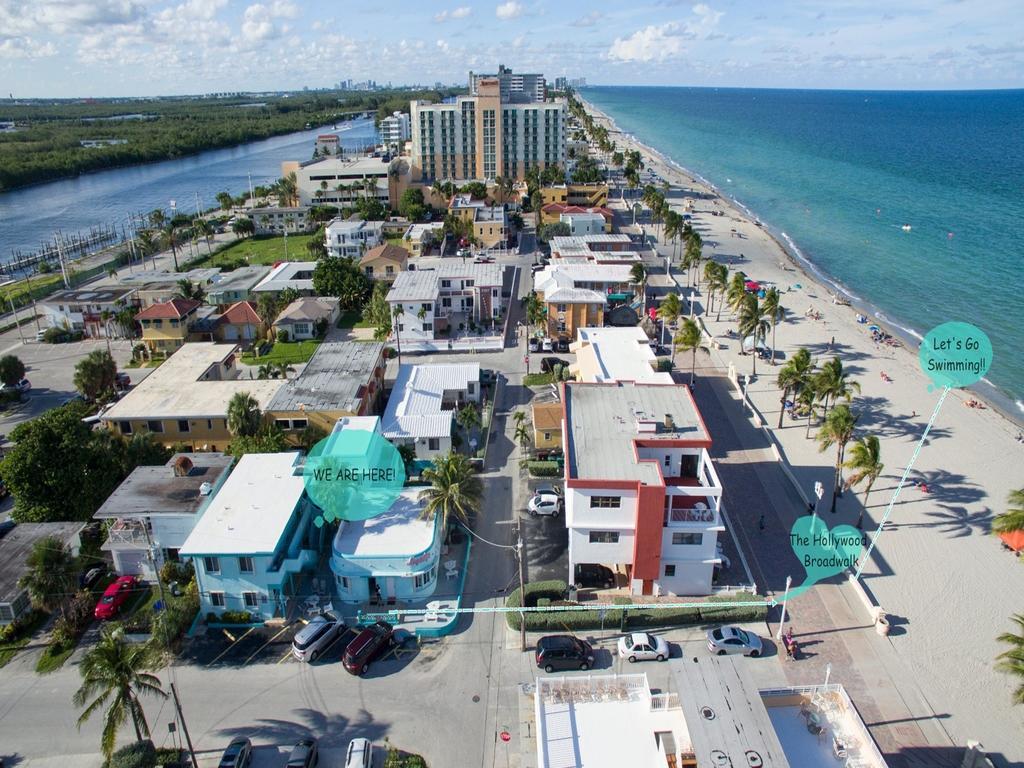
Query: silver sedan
(731, 639)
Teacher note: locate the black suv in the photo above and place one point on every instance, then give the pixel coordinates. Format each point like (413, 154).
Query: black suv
(594, 575)
(563, 652)
(562, 344)
(367, 646)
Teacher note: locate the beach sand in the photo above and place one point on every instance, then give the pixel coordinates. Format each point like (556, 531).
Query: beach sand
(936, 567)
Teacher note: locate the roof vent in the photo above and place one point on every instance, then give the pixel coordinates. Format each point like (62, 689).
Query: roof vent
(205, 489)
(670, 424)
(182, 466)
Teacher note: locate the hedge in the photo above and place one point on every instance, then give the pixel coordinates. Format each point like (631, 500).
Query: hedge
(714, 610)
(141, 754)
(544, 468)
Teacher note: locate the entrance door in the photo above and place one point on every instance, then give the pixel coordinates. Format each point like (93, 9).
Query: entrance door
(374, 589)
(389, 588)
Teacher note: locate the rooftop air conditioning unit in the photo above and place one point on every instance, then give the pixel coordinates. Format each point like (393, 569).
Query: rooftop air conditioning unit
(205, 489)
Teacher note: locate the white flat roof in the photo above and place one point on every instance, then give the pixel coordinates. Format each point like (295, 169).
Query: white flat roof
(252, 509)
(283, 276)
(399, 532)
(414, 408)
(617, 354)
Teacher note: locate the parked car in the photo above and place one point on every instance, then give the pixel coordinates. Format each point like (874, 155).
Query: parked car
(90, 577)
(594, 575)
(563, 652)
(22, 386)
(122, 380)
(359, 754)
(535, 344)
(549, 454)
(41, 335)
(483, 260)
(6, 527)
(304, 755)
(730, 639)
(562, 344)
(238, 754)
(317, 636)
(546, 346)
(642, 646)
(545, 504)
(547, 364)
(367, 646)
(115, 596)
(554, 490)
(487, 376)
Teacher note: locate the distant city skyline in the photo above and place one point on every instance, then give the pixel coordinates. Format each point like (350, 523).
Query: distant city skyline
(57, 48)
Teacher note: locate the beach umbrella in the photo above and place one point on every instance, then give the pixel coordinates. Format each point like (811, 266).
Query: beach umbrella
(874, 328)
(752, 285)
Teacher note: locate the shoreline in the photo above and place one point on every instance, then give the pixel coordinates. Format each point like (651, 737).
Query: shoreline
(1006, 405)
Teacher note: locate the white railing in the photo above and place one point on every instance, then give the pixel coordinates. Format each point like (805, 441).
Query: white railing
(664, 701)
(130, 532)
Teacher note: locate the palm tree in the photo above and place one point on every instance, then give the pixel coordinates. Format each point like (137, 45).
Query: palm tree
(737, 291)
(522, 434)
(794, 377)
(536, 312)
(711, 280)
(117, 671)
(503, 186)
(397, 312)
(455, 490)
(866, 464)
(833, 383)
(752, 324)
(1012, 659)
(837, 430)
(170, 236)
(267, 371)
(695, 252)
(283, 369)
(244, 417)
(774, 311)
(638, 275)
(669, 308)
(287, 186)
(157, 218)
(721, 285)
(807, 398)
(205, 229)
(1013, 518)
(189, 290)
(50, 574)
(688, 338)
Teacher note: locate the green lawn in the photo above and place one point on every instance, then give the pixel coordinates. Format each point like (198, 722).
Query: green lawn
(349, 320)
(262, 250)
(51, 660)
(9, 648)
(290, 352)
(23, 291)
(538, 379)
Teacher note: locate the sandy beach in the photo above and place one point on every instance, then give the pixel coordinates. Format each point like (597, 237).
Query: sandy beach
(936, 566)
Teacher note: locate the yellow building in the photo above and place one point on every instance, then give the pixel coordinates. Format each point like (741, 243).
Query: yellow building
(547, 425)
(489, 223)
(576, 295)
(384, 262)
(186, 399)
(584, 195)
(165, 325)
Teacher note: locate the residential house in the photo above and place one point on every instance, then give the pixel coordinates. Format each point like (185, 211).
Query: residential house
(595, 248)
(276, 220)
(297, 275)
(165, 326)
(586, 195)
(154, 510)
(256, 538)
(581, 221)
(487, 224)
(240, 324)
(186, 399)
(608, 355)
(85, 309)
(343, 378)
(235, 285)
(423, 402)
(384, 262)
(419, 237)
(351, 238)
(641, 494)
(445, 299)
(15, 548)
(547, 425)
(301, 319)
(576, 295)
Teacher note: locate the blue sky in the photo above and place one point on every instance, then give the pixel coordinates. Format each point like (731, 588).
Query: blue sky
(140, 47)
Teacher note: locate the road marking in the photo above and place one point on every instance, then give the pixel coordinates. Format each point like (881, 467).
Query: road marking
(287, 655)
(232, 645)
(272, 639)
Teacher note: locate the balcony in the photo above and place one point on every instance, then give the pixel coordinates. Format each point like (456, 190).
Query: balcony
(128, 534)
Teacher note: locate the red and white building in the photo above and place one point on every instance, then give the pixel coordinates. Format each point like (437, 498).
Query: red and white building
(641, 494)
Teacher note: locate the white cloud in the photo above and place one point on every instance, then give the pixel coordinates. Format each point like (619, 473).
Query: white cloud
(258, 20)
(462, 12)
(25, 48)
(707, 19)
(653, 43)
(509, 10)
(589, 19)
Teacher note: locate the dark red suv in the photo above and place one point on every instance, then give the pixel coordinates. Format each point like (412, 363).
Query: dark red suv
(367, 646)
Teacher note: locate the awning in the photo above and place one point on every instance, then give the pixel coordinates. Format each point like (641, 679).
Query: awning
(619, 296)
(1014, 540)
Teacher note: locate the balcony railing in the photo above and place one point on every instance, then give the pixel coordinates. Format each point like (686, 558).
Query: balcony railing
(130, 533)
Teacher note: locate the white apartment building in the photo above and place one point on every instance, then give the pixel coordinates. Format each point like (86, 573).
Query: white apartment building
(423, 403)
(609, 355)
(341, 181)
(394, 131)
(82, 309)
(276, 221)
(351, 239)
(484, 136)
(641, 494)
(516, 88)
(581, 224)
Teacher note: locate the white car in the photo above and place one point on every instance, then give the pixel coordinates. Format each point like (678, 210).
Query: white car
(546, 345)
(641, 646)
(317, 636)
(731, 639)
(545, 504)
(359, 754)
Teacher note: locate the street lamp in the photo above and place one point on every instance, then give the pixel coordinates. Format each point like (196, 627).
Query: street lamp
(785, 597)
(819, 491)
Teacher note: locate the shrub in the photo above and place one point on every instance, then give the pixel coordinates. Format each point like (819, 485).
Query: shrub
(664, 364)
(282, 336)
(235, 617)
(169, 758)
(141, 754)
(182, 573)
(544, 468)
(55, 335)
(77, 617)
(543, 602)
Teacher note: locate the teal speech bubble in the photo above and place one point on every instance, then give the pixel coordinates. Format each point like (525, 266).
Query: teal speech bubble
(955, 354)
(821, 551)
(353, 474)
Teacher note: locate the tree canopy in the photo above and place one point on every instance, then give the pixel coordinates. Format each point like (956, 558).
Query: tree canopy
(12, 370)
(340, 277)
(95, 374)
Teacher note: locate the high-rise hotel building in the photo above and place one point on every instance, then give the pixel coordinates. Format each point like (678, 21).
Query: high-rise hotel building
(485, 136)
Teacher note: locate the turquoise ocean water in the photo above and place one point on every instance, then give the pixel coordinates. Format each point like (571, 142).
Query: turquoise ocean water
(837, 174)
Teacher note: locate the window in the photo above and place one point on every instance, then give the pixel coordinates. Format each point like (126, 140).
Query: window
(217, 599)
(401, 327)
(561, 307)
(245, 565)
(369, 271)
(605, 502)
(446, 302)
(670, 570)
(300, 423)
(343, 582)
(687, 538)
(211, 564)
(125, 427)
(251, 599)
(155, 426)
(467, 284)
(668, 462)
(446, 283)
(604, 537)
(433, 443)
(282, 423)
(547, 435)
(428, 326)
(423, 579)
(183, 425)
(209, 424)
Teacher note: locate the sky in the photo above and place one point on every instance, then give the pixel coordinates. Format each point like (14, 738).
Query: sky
(68, 48)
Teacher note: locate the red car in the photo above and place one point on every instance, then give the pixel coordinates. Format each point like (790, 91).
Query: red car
(115, 596)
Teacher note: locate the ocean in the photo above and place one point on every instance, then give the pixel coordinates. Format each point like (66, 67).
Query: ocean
(838, 175)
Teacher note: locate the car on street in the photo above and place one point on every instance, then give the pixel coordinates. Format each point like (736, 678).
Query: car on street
(731, 639)
(562, 344)
(547, 364)
(304, 755)
(368, 645)
(545, 504)
(546, 345)
(535, 344)
(238, 754)
(594, 575)
(359, 754)
(483, 260)
(643, 646)
(317, 636)
(563, 652)
(488, 376)
(115, 596)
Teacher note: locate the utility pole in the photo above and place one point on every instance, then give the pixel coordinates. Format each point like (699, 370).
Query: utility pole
(184, 727)
(522, 586)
